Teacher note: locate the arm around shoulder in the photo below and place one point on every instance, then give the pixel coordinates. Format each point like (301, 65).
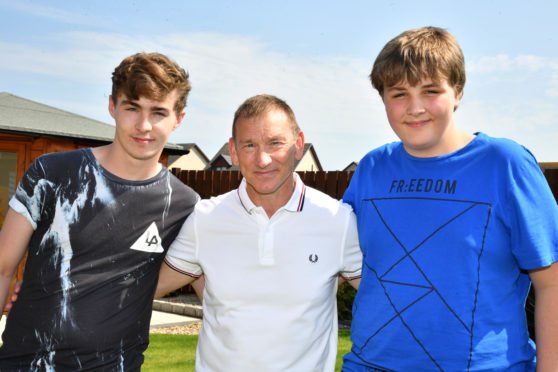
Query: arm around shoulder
(352, 255)
(14, 238)
(170, 280)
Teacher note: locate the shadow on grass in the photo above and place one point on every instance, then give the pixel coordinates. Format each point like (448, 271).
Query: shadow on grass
(173, 353)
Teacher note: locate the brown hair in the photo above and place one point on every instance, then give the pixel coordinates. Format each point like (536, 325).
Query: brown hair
(150, 75)
(260, 104)
(428, 52)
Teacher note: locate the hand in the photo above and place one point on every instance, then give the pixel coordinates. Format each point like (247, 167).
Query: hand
(13, 299)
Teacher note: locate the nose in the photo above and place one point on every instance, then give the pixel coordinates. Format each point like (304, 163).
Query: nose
(263, 159)
(143, 124)
(415, 106)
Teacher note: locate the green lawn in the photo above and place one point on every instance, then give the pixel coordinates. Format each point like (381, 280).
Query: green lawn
(173, 353)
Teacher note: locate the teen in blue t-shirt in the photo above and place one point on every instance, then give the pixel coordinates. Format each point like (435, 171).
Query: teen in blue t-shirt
(453, 226)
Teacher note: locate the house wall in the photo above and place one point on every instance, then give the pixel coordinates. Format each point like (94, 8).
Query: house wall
(220, 163)
(307, 163)
(190, 161)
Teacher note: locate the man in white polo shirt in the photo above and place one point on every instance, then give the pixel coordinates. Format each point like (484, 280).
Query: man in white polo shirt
(271, 253)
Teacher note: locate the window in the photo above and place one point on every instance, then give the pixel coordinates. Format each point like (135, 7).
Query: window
(8, 173)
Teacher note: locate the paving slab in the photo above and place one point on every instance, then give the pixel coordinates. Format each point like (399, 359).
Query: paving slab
(159, 319)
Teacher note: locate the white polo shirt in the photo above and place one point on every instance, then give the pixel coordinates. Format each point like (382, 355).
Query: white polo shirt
(269, 302)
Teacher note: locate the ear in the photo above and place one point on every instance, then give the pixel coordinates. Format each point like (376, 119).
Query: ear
(232, 151)
(179, 120)
(111, 106)
(458, 97)
(299, 143)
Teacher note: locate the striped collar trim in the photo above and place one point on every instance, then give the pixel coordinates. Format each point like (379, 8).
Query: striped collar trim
(295, 203)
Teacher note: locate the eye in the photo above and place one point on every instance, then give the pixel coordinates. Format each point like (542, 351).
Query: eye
(396, 93)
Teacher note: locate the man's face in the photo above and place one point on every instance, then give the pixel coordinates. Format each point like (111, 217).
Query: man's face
(265, 149)
(422, 116)
(143, 126)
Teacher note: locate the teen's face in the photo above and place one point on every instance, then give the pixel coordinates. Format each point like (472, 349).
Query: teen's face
(265, 149)
(422, 116)
(143, 126)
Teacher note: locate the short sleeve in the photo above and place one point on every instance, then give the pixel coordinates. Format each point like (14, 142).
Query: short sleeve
(352, 255)
(33, 194)
(182, 255)
(534, 214)
(358, 184)
(349, 195)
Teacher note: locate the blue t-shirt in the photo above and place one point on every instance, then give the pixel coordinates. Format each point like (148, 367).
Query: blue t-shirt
(446, 243)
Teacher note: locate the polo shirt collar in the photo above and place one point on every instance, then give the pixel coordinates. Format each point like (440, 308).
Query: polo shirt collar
(295, 203)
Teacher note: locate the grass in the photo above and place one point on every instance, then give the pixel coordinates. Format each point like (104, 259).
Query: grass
(170, 353)
(173, 353)
(343, 347)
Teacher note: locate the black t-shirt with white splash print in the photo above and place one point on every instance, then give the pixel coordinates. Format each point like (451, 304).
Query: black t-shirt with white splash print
(92, 265)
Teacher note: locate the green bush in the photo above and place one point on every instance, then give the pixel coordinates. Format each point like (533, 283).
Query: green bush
(345, 296)
(530, 312)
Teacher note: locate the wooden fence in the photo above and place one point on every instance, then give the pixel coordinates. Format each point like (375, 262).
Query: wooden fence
(552, 178)
(213, 183)
(333, 183)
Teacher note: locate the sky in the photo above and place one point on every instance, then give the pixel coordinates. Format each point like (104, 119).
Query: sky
(316, 55)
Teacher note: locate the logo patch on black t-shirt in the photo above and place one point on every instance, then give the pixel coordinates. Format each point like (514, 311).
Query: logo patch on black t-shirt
(149, 241)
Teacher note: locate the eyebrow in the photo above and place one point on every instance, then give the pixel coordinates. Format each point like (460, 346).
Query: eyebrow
(395, 88)
(269, 139)
(401, 88)
(431, 85)
(154, 109)
(128, 102)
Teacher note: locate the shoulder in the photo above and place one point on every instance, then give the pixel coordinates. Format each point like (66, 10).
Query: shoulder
(65, 155)
(320, 202)
(181, 188)
(505, 150)
(57, 164)
(380, 153)
(217, 203)
(57, 158)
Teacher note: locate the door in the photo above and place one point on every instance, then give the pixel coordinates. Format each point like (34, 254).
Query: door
(12, 167)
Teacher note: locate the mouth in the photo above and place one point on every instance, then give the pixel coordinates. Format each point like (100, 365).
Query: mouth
(143, 141)
(417, 123)
(267, 173)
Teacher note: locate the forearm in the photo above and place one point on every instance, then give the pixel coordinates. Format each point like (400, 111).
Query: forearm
(354, 283)
(546, 328)
(545, 283)
(199, 285)
(5, 281)
(14, 237)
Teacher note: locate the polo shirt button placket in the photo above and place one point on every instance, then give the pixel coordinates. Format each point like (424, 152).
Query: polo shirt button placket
(266, 244)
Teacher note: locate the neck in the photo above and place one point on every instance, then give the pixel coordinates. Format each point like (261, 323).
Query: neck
(273, 201)
(126, 167)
